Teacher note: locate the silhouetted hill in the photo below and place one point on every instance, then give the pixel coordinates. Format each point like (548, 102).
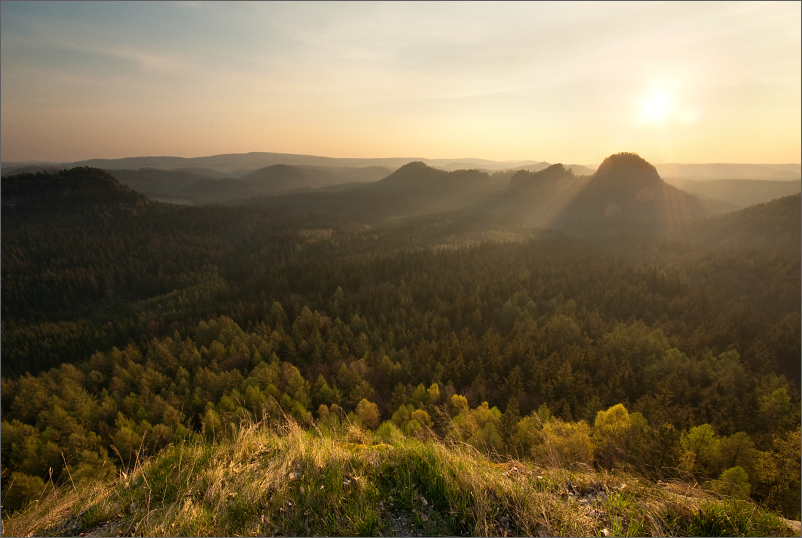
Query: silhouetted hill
(739, 193)
(282, 177)
(626, 173)
(416, 189)
(239, 164)
(65, 189)
(413, 189)
(277, 179)
(625, 194)
(159, 184)
(235, 164)
(203, 172)
(190, 185)
(533, 198)
(774, 224)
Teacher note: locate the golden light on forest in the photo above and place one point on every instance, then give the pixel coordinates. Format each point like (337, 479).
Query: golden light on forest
(335, 255)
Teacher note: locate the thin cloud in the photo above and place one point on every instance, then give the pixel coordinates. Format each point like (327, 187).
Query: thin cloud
(562, 73)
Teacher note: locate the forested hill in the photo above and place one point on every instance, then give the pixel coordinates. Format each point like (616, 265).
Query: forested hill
(279, 178)
(64, 188)
(199, 186)
(430, 190)
(142, 324)
(169, 184)
(627, 194)
(738, 193)
(414, 189)
(624, 194)
(774, 224)
(627, 185)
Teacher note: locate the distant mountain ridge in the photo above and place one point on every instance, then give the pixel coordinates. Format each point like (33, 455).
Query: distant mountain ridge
(239, 164)
(414, 189)
(625, 194)
(781, 172)
(284, 177)
(192, 186)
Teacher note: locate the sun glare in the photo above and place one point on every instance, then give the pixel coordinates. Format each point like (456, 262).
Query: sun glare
(656, 107)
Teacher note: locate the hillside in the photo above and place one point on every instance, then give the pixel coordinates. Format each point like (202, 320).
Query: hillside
(625, 194)
(774, 224)
(281, 178)
(263, 481)
(203, 172)
(200, 186)
(533, 198)
(739, 193)
(65, 190)
(433, 190)
(414, 189)
(160, 184)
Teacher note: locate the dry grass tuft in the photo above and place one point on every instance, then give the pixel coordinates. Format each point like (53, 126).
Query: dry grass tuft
(291, 481)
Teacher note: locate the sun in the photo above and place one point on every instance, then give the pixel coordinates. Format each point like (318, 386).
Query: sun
(656, 107)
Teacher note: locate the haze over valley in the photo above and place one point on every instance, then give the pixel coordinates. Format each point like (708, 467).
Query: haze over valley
(235, 178)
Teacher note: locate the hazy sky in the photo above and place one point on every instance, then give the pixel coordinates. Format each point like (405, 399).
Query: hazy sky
(560, 82)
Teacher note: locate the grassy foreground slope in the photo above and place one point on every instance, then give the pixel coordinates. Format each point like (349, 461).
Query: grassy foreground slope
(289, 481)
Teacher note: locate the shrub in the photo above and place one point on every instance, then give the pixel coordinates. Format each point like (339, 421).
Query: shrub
(565, 443)
(733, 482)
(21, 489)
(368, 413)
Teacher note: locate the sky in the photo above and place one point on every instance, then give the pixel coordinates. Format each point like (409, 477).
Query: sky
(571, 82)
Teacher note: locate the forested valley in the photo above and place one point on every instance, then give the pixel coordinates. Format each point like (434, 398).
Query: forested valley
(129, 325)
